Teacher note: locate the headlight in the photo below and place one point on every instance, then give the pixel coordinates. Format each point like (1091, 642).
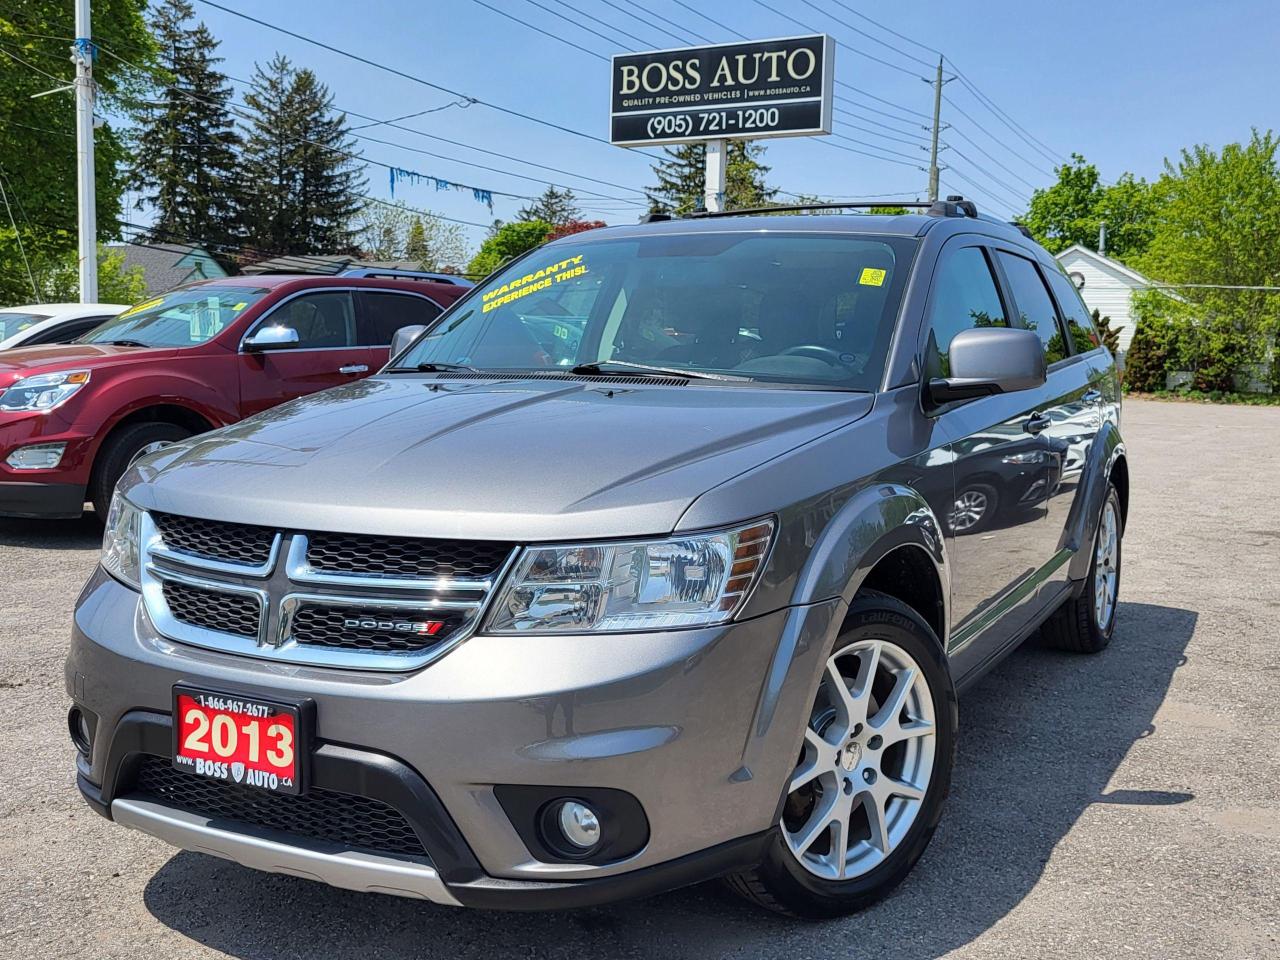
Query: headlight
(687, 581)
(44, 391)
(120, 554)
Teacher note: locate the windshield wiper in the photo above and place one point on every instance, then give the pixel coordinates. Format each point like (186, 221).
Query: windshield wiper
(121, 343)
(435, 366)
(605, 367)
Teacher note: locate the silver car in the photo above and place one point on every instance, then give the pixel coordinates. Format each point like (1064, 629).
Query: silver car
(633, 570)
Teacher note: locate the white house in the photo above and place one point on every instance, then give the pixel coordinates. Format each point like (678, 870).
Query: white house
(1106, 285)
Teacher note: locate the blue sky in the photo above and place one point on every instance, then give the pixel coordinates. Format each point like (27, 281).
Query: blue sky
(1124, 83)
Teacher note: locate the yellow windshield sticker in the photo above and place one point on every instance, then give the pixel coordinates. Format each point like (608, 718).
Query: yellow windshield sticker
(567, 269)
(871, 277)
(145, 305)
(239, 306)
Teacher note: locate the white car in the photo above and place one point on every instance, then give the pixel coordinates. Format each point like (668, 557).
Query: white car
(41, 323)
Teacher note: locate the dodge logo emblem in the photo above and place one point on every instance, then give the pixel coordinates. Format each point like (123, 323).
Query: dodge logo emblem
(426, 628)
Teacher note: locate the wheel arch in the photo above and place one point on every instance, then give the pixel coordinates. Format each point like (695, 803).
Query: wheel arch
(882, 535)
(1107, 463)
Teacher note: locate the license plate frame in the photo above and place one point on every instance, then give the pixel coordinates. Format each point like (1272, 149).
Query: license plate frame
(247, 706)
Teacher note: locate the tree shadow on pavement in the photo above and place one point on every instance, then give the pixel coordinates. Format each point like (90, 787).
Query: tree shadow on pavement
(1041, 737)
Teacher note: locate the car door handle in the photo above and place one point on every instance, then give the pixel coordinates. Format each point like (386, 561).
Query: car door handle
(1092, 396)
(354, 368)
(1036, 422)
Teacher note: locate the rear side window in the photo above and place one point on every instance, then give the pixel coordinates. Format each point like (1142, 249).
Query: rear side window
(1084, 336)
(1035, 306)
(382, 314)
(965, 296)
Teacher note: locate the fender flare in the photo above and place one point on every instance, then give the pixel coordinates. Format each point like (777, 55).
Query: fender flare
(873, 522)
(1082, 522)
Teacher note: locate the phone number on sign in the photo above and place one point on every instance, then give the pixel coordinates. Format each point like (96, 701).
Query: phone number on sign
(714, 121)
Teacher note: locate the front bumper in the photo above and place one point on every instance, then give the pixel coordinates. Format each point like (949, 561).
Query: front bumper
(700, 726)
(50, 501)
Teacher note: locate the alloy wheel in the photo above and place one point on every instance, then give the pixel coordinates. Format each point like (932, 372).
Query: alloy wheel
(969, 509)
(866, 763)
(1106, 569)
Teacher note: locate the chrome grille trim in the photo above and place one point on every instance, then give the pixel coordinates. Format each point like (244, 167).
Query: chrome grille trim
(301, 571)
(288, 583)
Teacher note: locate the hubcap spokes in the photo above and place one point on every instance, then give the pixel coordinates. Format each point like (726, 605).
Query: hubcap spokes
(866, 762)
(1106, 572)
(969, 508)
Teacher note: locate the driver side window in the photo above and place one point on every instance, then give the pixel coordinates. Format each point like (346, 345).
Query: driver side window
(965, 296)
(321, 319)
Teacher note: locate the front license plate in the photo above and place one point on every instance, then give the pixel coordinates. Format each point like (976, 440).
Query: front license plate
(239, 739)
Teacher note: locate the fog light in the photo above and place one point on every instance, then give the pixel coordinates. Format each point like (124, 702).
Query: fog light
(81, 731)
(37, 456)
(579, 824)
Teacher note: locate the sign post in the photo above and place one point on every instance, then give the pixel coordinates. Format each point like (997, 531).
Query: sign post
(738, 91)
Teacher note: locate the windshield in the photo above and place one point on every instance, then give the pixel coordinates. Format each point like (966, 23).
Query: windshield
(180, 318)
(784, 307)
(13, 322)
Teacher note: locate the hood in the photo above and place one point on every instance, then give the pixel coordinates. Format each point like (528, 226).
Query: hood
(507, 460)
(26, 361)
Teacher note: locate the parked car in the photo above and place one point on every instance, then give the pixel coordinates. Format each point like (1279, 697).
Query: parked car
(74, 416)
(493, 630)
(43, 323)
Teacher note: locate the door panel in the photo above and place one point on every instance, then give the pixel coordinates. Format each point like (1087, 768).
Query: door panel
(327, 353)
(996, 525)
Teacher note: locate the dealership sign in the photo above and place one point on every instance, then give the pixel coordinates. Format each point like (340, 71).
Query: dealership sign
(739, 91)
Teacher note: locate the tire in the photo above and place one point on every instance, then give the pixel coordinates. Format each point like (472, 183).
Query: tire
(120, 450)
(1085, 623)
(973, 509)
(820, 881)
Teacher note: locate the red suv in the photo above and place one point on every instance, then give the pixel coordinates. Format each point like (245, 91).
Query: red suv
(74, 416)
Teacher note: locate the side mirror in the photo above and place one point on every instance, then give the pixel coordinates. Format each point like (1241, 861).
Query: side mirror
(401, 339)
(990, 360)
(272, 338)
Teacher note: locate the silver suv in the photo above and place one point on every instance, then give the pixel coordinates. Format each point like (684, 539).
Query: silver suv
(662, 555)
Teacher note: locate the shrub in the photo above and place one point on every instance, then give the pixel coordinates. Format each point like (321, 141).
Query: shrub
(1144, 364)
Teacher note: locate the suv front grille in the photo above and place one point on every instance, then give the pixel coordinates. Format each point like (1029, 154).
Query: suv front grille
(236, 613)
(355, 601)
(404, 556)
(326, 815)
(373, 629)
(216, 540)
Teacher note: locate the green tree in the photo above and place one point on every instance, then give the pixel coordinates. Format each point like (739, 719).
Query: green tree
(436, 244)
(1217, 223)
(37, 136)
(116, 283)
(186, 144)
(555, 207)
(510, 240)
(682, 177)
(1073, 210)
(302, 181)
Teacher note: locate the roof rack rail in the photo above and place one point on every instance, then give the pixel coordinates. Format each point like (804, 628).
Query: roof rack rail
(801, 207)
(1021, 228)
(657, 216)
(397, 273)
(954, 206)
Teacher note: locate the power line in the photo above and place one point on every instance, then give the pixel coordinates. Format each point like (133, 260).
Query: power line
(873, 39)
(900, 36)
(1013, 191)
(862, 53)
(1031, 163)
(582, 26)
(407, 76)
(1009, 170)
(1025, 135)
(653, 13)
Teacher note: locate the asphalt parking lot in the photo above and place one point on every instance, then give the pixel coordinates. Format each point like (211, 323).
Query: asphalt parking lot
(1121, 805)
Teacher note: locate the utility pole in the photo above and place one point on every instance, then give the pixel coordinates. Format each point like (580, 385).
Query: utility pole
(1102, 238)
(717, 170)
(82, 54)
(937, 128)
